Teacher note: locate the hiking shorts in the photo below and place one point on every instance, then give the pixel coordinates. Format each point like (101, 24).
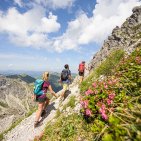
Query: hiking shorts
(81, 74)
(65, 86)
(41, 98)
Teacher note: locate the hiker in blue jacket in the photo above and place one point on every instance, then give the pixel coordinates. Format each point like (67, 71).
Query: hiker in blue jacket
(42, 99)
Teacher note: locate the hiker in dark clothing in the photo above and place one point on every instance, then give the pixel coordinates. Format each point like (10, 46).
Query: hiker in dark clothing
(65, 79)
(42, 99)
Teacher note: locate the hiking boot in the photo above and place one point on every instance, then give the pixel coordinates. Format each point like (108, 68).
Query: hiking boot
(36, 124)
(43, 113)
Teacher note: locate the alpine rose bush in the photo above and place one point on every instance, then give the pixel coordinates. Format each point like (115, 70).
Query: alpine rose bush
(99, 98)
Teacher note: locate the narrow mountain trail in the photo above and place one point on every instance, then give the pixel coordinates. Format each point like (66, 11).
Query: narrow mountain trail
(25, 131)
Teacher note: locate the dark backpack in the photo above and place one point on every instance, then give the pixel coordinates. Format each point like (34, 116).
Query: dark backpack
(38, 87)
(64, 75)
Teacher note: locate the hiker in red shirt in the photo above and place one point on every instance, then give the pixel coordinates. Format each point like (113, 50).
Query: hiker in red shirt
(81, 70)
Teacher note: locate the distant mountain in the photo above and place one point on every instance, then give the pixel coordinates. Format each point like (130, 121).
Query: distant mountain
(31, 76)
(23, 77)
(15, 100)
(53, 79)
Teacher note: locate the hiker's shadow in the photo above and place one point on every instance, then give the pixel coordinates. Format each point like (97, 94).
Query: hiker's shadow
(66, 94)
(49, 108)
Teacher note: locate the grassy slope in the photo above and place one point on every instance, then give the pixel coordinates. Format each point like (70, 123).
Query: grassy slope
(123, 120)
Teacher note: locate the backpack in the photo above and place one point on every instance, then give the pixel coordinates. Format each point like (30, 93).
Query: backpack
(64, 75)
(38, 87)
(81, 67)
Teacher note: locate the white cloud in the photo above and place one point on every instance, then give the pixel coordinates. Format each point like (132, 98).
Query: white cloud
(30, 28)
(55, 4)
(106, 15)
(84, 30)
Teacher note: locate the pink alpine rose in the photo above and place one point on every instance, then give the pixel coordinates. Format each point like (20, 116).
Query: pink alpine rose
(94, 85)
(109, 102)
(88, 92)
(88, 112)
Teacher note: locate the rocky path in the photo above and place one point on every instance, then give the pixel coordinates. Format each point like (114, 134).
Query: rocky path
(25, 131)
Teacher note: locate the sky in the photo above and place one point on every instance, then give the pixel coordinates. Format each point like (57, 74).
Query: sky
(44, 35)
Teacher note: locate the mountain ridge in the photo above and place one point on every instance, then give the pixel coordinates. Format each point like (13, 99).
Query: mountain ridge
(126, 37)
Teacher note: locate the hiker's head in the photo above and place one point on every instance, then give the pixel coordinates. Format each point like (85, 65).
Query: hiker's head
(83, 62)
(66, 66)
(45, 76)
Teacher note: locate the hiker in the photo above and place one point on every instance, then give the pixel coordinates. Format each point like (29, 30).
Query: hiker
(65, 80)
(41, 97)
(81, 70)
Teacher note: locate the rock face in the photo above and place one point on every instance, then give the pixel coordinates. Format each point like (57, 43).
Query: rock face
(15, 100)
(126, 37)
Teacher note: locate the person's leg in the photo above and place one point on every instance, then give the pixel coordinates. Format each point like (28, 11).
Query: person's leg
(39, 111)
(81, 79)
(64, 90)
(46, 103)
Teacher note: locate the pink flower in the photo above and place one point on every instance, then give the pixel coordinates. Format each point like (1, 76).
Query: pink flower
(94, 85)
(110, 82)
(111, 96)
(103, 106)
(103, 112)
(109, 101)
(89, 91)
(104, 116)
(102, 109)
(84, 103)
(105, 85)
(88, 112)
(81, 102)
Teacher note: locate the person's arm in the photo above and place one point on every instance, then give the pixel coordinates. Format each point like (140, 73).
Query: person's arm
(33, 97)
(70, 78)
(52, 92)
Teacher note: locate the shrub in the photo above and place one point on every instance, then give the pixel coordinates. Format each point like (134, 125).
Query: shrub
(114, 101)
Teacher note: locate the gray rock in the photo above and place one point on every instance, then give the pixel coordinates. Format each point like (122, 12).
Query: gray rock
(126, 37)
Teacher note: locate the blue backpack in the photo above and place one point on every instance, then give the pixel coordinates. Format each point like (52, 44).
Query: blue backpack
(38, 87)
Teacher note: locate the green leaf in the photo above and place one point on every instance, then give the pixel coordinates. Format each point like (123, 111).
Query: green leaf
(107, 137)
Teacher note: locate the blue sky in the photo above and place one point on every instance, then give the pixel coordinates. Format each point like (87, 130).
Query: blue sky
(43, 35)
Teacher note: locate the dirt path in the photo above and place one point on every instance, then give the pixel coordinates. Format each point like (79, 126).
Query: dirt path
(25, 131)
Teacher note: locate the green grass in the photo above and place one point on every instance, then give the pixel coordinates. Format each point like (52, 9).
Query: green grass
(71, 103)
(58, 113)
(110, 63)
(105, 68)
(31, 112)
(69, 128)
(5, 105)
(122, 123)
